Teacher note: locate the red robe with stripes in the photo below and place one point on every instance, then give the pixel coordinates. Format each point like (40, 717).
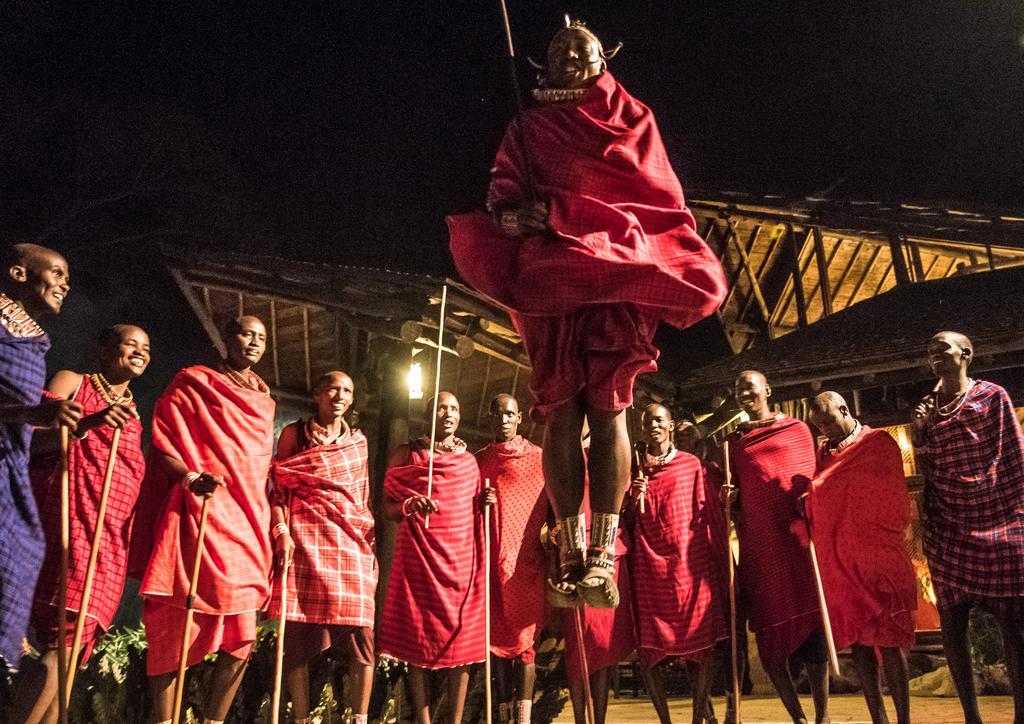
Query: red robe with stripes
(517, 567)
(859, 511)
(434, 612)
(678, 542)
(773, 465)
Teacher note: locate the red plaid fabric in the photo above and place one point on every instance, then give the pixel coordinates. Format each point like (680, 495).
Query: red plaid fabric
(325, 490)
(211, 424)
(434, 612)
(87, 461)
(518, 566)
(773, 466)
(621, 240)
(680, 609)
(859, 510)
(974, 498)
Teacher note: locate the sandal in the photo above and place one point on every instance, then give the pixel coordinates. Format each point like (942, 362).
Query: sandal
(597, 586)
(561, 592)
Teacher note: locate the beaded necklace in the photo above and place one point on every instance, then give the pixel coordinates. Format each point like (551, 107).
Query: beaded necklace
(457, 445)
(245, 381)
(318, 435)
(106, 390)
(558, 95)
(16, 320)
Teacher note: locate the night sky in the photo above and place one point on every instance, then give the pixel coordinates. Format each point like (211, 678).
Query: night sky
(346, 131)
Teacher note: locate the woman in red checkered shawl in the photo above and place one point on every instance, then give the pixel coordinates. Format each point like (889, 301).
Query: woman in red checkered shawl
(107, 404)
(970, 443)
(323, 523)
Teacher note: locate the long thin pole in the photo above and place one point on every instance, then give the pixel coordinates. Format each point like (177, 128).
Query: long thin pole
(279, 665)
(437, 392)
(94, 554)
(833, 657)
(62, 588)
(733, 643)
(581, 651)
(518, 97)
(190, 600)
(487, 607)
(640, 474)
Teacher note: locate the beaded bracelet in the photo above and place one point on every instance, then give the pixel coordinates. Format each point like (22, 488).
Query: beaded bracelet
(279, 530)
(189, 478)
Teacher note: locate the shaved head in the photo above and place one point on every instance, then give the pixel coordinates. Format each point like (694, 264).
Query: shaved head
(658, 409)
(504, 417)
(831, 415)
(329, 379)
(239, 324)
(245, 341)
(37, 278)
(829, 399)
(949, 354)
(501, 401)
(752, 392)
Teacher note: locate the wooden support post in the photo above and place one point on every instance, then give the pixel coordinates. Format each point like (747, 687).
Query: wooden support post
(864, 275)
(915, 260)
(823, 281)
(899, 262)
(991, 257)
(846, 271)
(755, 286)
(241, 304)
(483, 392)
(797, 276)
(273, 343)
(305, 348)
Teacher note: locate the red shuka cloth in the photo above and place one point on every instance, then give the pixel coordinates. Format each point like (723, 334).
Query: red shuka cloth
(681, 606)
(87, 462)
(974, 498)
(434, 612)
(518, 566)
(622, 246)
(212, 425)
(859, 510)
(773, 466)
(325, 490)
(620, 229)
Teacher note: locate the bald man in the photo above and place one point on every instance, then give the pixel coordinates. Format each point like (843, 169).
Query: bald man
(858, 512)
(675, 558)
(773, 461)
(213, 436)
(511, 465)
(970, 444)
(34, 284)
(324, 525)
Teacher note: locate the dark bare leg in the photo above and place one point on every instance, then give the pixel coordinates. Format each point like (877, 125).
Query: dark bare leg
(1013, 652)
(563, 459)
(297, 682)
(954, 622)
(360, 678)
(458, 685)
(783, 683)
(701, 672)
(227, 676)
(817, 675)
(35, 690)
(866, 664)
(161, 696)
(502, 683)
(579, 704)
(898, 677)
(599, 690)
(654, 680)
(417, 682)
(527, 683)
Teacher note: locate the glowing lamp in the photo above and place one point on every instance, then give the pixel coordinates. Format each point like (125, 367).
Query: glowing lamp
(415, 381)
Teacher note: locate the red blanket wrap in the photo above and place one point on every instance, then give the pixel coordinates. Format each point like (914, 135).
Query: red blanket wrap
(622, 242)
(326, 491)
(974, 499)
(681, 606)
(773, 466)
(212, 425)
(434, 611)
(87, 462)
(518, 566)
(859, 511)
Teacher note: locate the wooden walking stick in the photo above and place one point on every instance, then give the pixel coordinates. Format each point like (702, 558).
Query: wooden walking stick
(275, 706)
(63, 690)
(833, 657)
(487, 607)
(733, 643)
(640, 474)
(90, 571)
(581, 651)
(179, 683)
(437, 391)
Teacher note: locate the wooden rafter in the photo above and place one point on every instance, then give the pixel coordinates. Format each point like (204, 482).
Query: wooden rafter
(847, 270)
(885, 277)
(200, 309)
(864, 275)
(767, 263)
(755, 287)
(823, 265)
(795, 285)
(734, 235)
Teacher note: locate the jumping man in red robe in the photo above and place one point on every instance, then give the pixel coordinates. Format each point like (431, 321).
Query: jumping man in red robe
(590, 245)
(772, 458)
(213, 435)
(324, 525)
(859, 509)
(517, 566)
(107, 405)
(678, 542)
(969, 440)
